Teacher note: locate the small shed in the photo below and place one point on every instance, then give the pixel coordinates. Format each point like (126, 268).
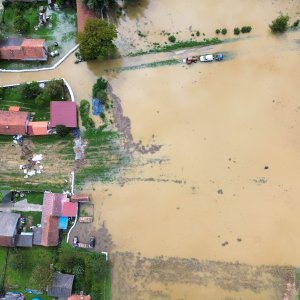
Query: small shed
(38, 128)
(61, 286)
(80, 198)
(13, 122)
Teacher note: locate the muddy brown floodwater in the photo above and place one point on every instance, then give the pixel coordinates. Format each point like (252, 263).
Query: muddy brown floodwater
(214, 213)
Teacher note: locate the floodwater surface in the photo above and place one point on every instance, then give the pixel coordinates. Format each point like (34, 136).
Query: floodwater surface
(224, 185)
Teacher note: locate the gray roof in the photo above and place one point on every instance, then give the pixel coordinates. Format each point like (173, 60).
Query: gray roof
(37, 235)
(24, 240)
(11, 42)
(61, 286)
(8, 223)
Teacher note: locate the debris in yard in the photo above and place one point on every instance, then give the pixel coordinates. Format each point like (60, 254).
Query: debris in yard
(79, 149)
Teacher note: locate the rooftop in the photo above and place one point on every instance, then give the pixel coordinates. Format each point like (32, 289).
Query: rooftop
(13, 122)
(63, 113)
(61, 286)
(10, 42)
(8, 223)
(69, 209)
(24, 239)
(38, 128)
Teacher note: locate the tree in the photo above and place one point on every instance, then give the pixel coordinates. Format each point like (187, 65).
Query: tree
(246, 29)
(55, 89)
(100, 85)
(42, 99)
(280, 24)
(62, 130)
(96, 40)
(30, 90)
(224, 31)
(172, 39)
(236, 31)
(21, 25)
(41, 276)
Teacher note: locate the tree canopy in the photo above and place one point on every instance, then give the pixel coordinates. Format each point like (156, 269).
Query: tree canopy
(280, 24)
(96, 40)
(98, 5)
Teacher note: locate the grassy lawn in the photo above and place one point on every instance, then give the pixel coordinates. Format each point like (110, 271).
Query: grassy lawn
(35, 197)
(32, 217)
(21, 263)
(61, 28)
(13, 97)
(91, 270)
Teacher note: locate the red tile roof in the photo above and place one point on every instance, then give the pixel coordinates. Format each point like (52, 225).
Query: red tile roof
(13, 122)
(83, 14)
(79, 297)
(63, 113)
(69, 209)
(26, 49)
(14, 108)
(38, 128)
(50, 232)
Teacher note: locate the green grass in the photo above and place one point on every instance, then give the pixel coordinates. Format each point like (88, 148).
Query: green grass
(104, 157)
(178, 45)
(17, 279)
(35, 216)
(35, 197)
(13, 97)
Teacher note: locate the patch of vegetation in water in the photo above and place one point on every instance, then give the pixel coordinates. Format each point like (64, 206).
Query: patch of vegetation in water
(104, 157)
(155, 64)
(178, 45)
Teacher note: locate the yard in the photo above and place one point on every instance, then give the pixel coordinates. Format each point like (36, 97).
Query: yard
(91, 270)
(60, 28)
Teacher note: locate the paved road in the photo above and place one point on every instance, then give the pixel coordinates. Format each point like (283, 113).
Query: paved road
(21, 206)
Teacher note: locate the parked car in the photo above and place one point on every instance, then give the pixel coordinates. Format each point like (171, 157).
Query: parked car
(207, 58)
(75, 241)
(218, 56)
(190, 59)
(92, 242)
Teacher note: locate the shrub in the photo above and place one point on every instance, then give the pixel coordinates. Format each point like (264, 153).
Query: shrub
(198, 33)
(246, 29)
(218, 31)
(21, 25)
(62, 130)
(224, 31)
(296, 23)
(84, 107)
(84, 110)
(101, 84)
(55, 89)
(102, 116)
(172, 39)
(30, 90)
(42, 99)
(102, 96)
(280, 24)
(236, 31)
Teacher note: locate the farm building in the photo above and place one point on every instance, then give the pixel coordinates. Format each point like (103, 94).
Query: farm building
(23, 49)
(63, 113)
(9, 223)
(61, 286)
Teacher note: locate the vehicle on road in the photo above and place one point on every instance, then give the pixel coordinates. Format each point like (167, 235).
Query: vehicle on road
(219, 56)
(75, 241)
(191, 59)
(92, 242)
(206, 58)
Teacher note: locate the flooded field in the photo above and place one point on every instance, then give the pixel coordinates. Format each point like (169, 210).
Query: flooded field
(213, 214)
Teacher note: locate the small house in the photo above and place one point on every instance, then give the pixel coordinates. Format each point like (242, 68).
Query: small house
(23, 49)
(14, 122)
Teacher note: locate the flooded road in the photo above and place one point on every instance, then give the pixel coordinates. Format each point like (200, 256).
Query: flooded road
(224, 185)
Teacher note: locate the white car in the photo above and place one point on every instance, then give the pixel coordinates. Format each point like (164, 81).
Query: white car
(207, 58)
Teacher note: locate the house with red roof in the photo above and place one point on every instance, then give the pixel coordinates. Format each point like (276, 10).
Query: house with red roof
(14, 122)
(63, 113)
(55, 206)
(23, 49)
(80, 297)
